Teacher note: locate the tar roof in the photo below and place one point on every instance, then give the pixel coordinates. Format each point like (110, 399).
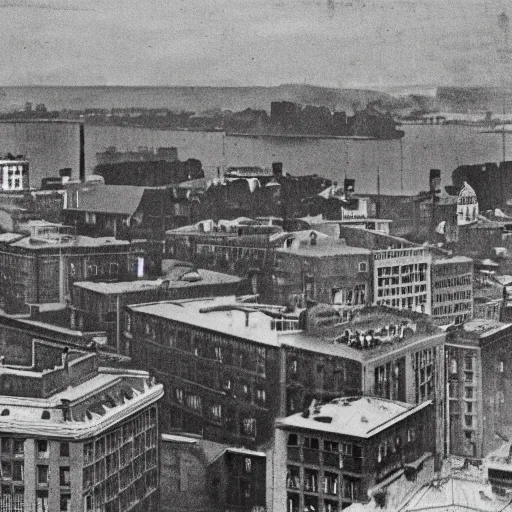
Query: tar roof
(357, 417)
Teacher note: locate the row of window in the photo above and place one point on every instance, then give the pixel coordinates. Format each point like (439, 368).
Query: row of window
(448, 309)
(453, 281)
(402, 290)
(460, 295)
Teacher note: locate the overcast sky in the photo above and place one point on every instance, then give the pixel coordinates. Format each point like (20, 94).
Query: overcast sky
(343, 43)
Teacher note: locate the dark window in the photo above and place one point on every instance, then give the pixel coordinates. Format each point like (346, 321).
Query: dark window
(64, 476)
(64, 449)
(293, 440)
(42, 475)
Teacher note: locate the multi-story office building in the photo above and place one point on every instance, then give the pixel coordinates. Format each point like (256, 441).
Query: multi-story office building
(41, 268)
(478, 369)
(452, 290)
(401, 278)
(75, 436)
(336, 453)
(232, 367)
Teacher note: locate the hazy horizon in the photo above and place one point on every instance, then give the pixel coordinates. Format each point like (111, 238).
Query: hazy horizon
(371, 44)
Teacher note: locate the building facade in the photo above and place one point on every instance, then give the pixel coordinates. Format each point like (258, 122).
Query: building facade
(98, 306)
(452, 290)
(401, 278)
(75, 437)
(478, 366)
(14, 174)
(336, 453)
(41, 268)
(231, 367)
(324, 270)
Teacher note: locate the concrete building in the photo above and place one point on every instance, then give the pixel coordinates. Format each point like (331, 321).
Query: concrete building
(41, 268)
(452, 290)
(75, 436)
(334, 454)
(478, 366)
(98, 306)
(402, 278)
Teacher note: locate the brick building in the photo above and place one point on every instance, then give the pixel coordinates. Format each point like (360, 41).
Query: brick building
(321, 269)
(98, 306)
(41, 268)
(231, 367)
(77, 437)
(478, 369)
(336, 453)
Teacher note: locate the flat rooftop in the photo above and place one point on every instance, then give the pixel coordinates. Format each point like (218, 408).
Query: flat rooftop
(208, 277)
(452, 259)
(249, 321)
(358, 417)
(324, 249)
(67, 241)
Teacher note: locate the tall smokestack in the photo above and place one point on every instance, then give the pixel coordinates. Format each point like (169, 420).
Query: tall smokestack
(81, 171)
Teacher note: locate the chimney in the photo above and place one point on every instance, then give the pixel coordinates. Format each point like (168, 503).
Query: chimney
(81, 171)
(349, 187)
(434, 179)
(277, 169)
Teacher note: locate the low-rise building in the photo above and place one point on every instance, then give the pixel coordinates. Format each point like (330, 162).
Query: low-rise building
(322, 269)
(333, 454)
(98, 306)
(41, 268)
(76, 436)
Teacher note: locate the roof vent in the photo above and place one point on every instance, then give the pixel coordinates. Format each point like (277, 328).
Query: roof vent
(323, 419)
(364, 419)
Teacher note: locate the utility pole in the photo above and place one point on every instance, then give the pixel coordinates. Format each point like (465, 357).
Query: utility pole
(378, 192)
(401, 166)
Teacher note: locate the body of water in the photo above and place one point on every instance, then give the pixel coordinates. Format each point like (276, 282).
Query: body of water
(51, 146)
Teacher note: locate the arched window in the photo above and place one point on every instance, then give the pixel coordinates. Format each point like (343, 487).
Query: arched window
(45, 415)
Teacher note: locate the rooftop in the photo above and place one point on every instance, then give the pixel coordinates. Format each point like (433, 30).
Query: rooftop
(115, 199)
(452, 259)
(452, 494)
(205, 278)
(64, 394)
(319, 329)
(358, 417)
(323, 249)
(68, 241)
